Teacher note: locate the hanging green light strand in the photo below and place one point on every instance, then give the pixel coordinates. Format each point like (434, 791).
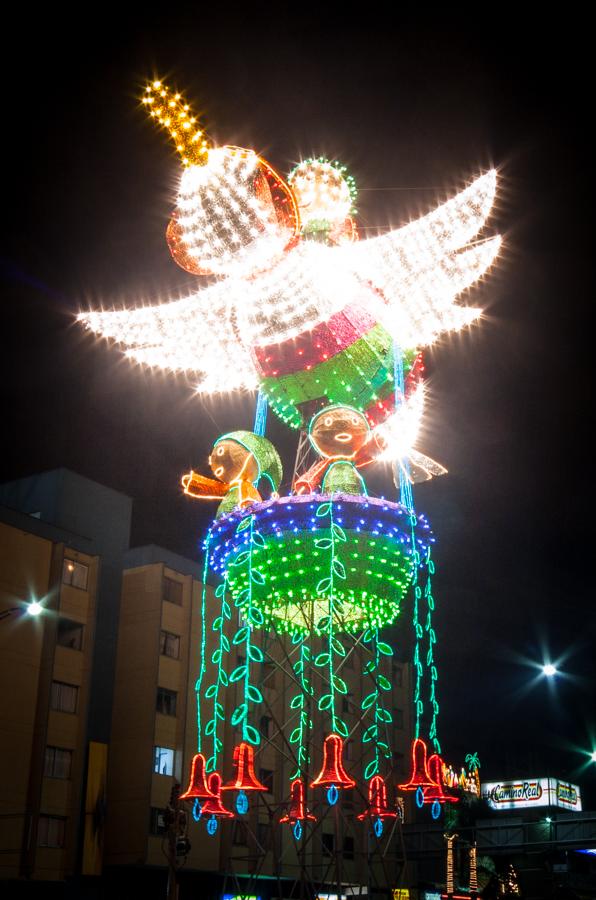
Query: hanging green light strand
(202, 665)
(326, 625)
(375, 703)
(252, 617)
(430, 661)
(221, 676)
(301, 702)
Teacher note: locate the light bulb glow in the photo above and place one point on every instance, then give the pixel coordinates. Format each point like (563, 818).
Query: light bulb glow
(549, 670)
(34, 608)
(333, 311)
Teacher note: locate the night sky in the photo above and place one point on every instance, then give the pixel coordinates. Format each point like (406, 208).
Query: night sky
(415, 111)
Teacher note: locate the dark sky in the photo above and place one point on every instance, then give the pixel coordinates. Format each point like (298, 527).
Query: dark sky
(415, 111)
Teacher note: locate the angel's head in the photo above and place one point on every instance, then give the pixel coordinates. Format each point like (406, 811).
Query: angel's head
(339, 432)
(234, 214)
(245, 456)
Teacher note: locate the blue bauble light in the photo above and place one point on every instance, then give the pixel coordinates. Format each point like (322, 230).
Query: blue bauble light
(212, 825)
(298, 829)
(332, 795)
(419, 798)
(378, 826)
(242, 803)
(197, 810)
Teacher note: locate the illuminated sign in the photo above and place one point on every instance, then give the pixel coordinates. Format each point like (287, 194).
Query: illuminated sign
(240, 897)
(401, 893)
(529, 792)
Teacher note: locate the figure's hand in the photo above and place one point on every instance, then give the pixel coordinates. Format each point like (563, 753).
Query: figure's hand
(204, 488)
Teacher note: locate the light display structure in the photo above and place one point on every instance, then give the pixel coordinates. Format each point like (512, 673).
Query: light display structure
(330, 330)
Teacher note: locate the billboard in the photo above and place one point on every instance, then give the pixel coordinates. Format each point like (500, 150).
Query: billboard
(530, 792)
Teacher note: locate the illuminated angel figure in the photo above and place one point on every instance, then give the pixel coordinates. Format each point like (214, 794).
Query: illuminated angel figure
(311, 322)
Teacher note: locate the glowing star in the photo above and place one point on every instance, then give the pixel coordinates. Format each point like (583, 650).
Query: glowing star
(308, 322)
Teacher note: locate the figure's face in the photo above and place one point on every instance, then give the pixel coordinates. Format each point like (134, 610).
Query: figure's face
(229, 460)
(339, 432)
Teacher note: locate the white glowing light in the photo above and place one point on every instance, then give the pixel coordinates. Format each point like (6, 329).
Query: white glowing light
(409, 279)
(549, 670)
(34, 608)
(399, 434)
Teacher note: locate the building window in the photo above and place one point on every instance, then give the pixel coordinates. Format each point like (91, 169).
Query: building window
(75, 574)
(64, 697)
(169, 644)
(266, 779)
(70, 634)
(163, 761)
(58, 762)
(348, 847)
(398, 762)
(264, 836)
(347, 703)
(398, 718)
(240, 834)
(269, 675)
(265, 726)
(397, 676)
(172, 591)
(328, 841)
(157, 820)
(166, 702)
(50, 832)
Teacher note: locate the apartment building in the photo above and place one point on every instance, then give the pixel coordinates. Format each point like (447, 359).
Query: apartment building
(100, 719)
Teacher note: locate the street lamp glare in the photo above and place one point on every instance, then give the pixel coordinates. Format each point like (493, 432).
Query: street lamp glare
(593, 755)
(34, 608)
(549, 670)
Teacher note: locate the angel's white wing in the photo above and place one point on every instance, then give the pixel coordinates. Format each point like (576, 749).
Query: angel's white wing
(398, 435)
(421, 268)
(195, 334)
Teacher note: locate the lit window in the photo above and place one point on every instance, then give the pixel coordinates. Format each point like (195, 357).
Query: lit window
(50, 831)
(70, 634)
(64, 697)
(166, 702)
(172, 591)
(58, 762)
(163, 761)
(169, 645)
(75, 574)
(157, 821)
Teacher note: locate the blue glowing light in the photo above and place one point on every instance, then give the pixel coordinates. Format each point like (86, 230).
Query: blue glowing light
(212, 825)
(197, 810)
(242, 803)
(298, 830)
(378, 826)
(419, 798)
(332, 795)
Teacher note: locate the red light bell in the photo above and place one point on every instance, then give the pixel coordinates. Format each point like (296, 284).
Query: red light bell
(435, 791)
(333, 771)
(213, 805)
(419, 776)
(244, 761)
(377, 801)
(297, 811)
(197, 787)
